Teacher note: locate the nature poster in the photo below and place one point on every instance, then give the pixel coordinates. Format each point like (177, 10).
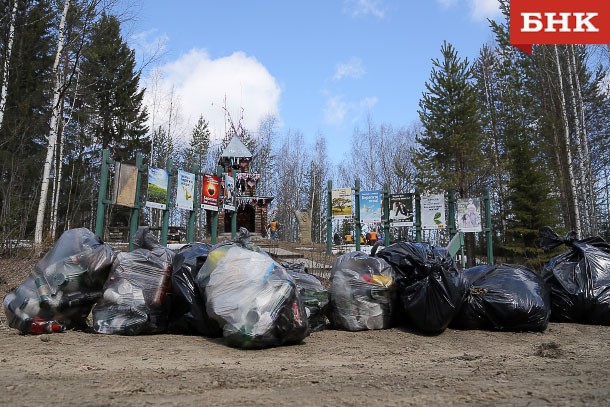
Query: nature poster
(401, 210)
(468, 215)
(370, 206)
(210, 192)
(185, 190)
(157, 188)
(342, 203)
(433, 211)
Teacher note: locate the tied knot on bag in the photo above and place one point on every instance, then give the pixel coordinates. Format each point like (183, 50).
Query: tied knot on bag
(549, 239)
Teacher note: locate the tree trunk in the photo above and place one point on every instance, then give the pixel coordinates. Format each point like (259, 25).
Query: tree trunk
(564, 115)
(57, 188)
(583, 196)
(44, 188)
(7, 63)
(589, 187)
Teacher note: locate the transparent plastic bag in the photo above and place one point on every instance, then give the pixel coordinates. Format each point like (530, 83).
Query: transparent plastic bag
(252, 298)
(361, 292)
(135, 296)
(65, 284)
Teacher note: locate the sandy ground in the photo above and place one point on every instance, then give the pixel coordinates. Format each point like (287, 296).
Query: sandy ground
(566, 365)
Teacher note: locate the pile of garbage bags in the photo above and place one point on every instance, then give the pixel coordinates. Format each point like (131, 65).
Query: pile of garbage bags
(63, 287)
(235, 291)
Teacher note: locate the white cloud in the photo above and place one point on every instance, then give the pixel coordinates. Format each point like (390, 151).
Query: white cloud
(149, 44)
(484, 9)
(351, 69)
(337, 110)
(478, 9)
(201, 85)
(445, 4)
(365, 7)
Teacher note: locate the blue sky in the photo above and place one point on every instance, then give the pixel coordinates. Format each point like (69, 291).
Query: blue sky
(320, 66)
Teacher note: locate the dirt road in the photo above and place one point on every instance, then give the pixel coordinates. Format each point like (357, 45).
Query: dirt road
(566, 365)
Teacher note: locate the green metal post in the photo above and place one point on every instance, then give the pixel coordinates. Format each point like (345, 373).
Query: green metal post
(386, 216)
(214, 225)
(168, 199)
(357, 220)
(417, 217)
(190, 231)
(135, 211)
(488, 229)
(234, 223)
(329, 219)
(451, 208)
(101, 197)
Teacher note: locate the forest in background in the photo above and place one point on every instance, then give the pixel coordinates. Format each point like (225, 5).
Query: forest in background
(533, 130)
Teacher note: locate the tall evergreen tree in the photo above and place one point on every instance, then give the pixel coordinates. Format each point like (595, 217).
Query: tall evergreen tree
(197, 151)
(114, 113)
(523, 124)
(449, 155)
(26, 113)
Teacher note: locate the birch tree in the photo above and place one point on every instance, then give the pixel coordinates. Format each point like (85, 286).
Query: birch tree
(566, 132)
(7, 62)
(52, 139)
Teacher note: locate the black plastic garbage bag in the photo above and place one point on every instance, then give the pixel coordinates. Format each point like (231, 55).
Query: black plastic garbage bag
(579, 279)
(428, 282)
(252, 298)
(361, 292)
(65, 284)
(135, 296)
(504, 297)
(313, 294)
(188, 314)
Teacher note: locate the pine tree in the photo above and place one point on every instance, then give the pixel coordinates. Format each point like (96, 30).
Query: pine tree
(197, 151)
(26, 113)
(523, 126)
(449, 156)
(450, 144)
(114, 112)
(163, 148)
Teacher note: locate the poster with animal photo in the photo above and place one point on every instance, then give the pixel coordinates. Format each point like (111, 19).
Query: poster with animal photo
(157, 188)
(433, 211)
(185, 191)
(370, 206)
(401, 210)
(210, 192)
(468, 215)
